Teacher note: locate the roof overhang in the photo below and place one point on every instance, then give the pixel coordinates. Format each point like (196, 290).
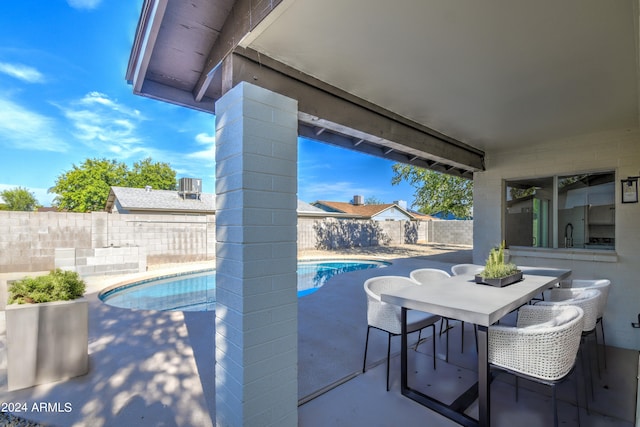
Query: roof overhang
(433, 83)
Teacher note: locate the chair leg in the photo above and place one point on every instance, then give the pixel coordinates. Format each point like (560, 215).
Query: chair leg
(462, 337)
(366, 345)
(418, 342)
(604, 343)
(588, 369)
(517, 388)
(554, 405)
(577, 398)
(388, 357)
(595, 334)
(586, 395)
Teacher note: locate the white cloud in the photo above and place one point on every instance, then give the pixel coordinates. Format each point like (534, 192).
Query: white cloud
(22, 72)
(209, 153)
(24, 129)
(341, 191)
(103, 124)
(84, 4)
(204, 139)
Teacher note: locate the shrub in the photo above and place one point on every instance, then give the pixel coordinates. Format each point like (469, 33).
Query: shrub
(58, 285)
(495, 267)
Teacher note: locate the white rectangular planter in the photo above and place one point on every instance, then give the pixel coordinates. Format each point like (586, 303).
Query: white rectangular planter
(46, 342)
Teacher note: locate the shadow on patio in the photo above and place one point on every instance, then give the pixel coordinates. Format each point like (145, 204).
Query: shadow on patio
(157, 368)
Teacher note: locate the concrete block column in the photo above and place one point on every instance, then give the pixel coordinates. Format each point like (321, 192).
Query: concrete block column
(256, 284)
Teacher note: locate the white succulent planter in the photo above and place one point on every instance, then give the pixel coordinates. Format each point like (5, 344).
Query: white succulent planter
(46, 342)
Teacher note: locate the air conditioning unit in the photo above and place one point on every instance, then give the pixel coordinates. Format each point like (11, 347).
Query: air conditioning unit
(190, 186)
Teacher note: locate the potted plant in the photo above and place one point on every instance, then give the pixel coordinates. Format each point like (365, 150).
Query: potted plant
(47, 323)
(497, 272)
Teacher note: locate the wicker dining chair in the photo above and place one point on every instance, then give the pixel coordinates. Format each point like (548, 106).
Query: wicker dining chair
(387, 317)
(588, 300)
(424, 276)
(542, 347)
(470, 269)
(603, 286)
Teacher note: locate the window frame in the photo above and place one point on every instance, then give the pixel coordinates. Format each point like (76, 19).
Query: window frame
(555, 246)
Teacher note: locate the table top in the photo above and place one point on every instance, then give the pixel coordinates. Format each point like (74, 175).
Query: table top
(459, 297)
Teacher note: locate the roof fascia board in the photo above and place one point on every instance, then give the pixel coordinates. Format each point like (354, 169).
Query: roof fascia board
(155, 90)
(145, 40)
(322, 101)
(245, 15)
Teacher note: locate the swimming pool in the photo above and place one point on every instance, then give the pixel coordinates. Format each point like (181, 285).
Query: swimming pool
(196, 291)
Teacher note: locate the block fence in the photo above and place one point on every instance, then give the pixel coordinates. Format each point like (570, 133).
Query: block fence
(29, 240)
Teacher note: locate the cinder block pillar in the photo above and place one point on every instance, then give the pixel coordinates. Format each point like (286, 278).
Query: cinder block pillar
(256, 284)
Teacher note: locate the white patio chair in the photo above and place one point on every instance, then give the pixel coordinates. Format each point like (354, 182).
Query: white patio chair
(603, 286)
(387, 317)
(471, 269)
(424, 276)
(542, 347)
(588, 300)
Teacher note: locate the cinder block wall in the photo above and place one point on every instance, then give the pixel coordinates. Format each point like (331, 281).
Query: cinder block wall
(453, 232)
(28, 240)
(449, 232)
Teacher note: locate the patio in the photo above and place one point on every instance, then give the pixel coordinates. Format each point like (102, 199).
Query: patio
(157, 368)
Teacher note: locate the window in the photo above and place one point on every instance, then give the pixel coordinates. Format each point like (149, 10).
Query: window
(573, 211)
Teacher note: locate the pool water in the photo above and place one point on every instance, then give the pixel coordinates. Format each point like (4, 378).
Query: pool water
(197, 292)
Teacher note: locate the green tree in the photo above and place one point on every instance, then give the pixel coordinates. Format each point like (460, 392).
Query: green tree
(373, 200)
(19, 199)
(85, 188)
(436, 192)
(158, 175)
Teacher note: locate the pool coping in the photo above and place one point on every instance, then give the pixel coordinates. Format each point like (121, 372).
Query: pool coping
(163, 274)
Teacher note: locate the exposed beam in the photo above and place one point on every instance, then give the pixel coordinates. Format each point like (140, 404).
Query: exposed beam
(326, 106)
(366, 147)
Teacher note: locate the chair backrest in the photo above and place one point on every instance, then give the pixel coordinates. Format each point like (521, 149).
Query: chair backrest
(459, 269)
(543, 345)
(379, 313)
(600, 284)
(423, 276)
(587, 299)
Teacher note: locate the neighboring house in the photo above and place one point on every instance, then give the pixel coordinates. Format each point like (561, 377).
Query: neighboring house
(378, 212)
(308, 210)
(127, 200)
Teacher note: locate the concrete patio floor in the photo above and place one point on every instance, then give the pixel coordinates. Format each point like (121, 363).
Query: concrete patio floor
(157, 369)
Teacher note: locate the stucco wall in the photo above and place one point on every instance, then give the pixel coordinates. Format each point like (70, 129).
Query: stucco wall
(619, 151)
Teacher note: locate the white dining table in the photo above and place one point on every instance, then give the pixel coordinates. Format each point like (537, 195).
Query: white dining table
(459, 297)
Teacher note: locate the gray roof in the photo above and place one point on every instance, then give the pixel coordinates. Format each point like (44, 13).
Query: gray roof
(137, 199)
(306, 208)
(159, 200)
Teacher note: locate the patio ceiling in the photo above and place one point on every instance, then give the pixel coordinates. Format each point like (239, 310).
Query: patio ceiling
(434, 83)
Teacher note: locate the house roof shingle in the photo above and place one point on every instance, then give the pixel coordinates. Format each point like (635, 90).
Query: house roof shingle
(159, 200)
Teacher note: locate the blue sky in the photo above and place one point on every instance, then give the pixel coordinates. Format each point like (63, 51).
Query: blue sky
(64, 98)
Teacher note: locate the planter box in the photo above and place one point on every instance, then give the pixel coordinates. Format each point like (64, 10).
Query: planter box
(46, 342)
(500, 282)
